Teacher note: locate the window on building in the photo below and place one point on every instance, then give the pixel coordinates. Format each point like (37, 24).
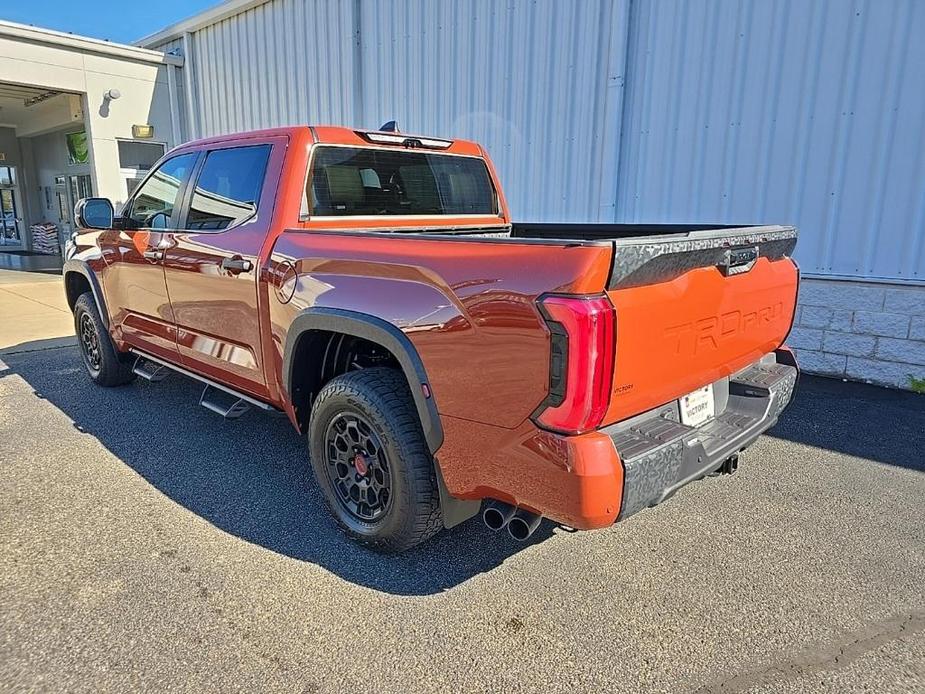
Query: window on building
(228, 188)
(155, 200)
(140, 156)
(350, 181)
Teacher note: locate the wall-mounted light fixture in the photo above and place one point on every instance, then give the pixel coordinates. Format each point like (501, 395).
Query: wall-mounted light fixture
(143, 132)
(109, 96)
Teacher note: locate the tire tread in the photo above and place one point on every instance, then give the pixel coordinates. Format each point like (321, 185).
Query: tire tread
(386, 391)
(116, 370)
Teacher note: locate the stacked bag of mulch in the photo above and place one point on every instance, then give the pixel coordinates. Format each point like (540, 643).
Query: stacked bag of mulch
(45, 238)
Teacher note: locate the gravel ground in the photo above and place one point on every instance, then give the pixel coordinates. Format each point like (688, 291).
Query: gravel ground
(146, 543)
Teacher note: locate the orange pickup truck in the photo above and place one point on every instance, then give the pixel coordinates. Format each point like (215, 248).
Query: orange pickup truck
(439, 359)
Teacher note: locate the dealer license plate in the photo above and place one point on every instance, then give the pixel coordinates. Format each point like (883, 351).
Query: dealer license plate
(697, 407)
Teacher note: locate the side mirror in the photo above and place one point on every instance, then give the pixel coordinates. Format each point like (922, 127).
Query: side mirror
(94, 213)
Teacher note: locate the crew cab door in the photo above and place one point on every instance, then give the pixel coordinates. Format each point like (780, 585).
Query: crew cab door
(212, 262)
(136, 292)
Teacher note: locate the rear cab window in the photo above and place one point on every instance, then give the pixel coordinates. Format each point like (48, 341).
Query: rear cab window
(349, 181)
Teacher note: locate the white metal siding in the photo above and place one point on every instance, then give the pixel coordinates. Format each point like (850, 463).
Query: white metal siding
(282, 63)
(538, 84)
(176, 46)
(620, 110)
(477, 69)
(809, 113)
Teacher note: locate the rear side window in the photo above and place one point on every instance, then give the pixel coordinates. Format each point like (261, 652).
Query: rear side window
(228, 187)
(353, 181)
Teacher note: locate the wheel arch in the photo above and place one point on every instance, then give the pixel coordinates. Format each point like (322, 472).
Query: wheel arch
(78, 278)
(374, 330)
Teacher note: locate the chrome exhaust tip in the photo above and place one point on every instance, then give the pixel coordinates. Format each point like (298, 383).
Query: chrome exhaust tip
(497, 515)
(523, 524)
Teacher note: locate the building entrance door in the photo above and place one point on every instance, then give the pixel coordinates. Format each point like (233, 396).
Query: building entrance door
(10, 220)
(68, 190)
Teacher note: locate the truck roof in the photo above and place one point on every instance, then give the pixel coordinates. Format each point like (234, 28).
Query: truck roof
(339, 135)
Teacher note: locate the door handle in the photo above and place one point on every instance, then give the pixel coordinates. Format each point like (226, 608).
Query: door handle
(738, 260)
(236, 265)
(154, 255)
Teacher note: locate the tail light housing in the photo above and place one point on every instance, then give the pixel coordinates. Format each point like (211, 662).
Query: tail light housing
(581, 362)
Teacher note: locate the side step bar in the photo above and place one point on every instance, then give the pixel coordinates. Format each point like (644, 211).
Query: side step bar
(210, 398)
(150, 371)
(231, 410)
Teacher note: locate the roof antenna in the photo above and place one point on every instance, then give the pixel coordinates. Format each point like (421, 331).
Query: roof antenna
(389, 127)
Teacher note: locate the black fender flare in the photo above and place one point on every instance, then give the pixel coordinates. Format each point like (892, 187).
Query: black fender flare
(381, 332)
(73, 265)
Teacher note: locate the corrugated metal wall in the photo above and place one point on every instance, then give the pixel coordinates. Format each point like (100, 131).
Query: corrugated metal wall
(480, 70)
(176, 47)
(788, 111)
(280, 63)
(539, 84)
(621, 110)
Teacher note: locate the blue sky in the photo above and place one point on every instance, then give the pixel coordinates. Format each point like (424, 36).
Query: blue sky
(123, 21)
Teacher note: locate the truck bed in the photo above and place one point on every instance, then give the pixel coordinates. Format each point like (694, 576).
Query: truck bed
(694, 303)
(537, 230)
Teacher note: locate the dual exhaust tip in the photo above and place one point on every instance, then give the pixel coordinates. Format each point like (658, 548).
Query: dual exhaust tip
(520, 523)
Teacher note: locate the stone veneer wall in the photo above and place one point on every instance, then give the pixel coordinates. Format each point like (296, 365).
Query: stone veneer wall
(862, 331)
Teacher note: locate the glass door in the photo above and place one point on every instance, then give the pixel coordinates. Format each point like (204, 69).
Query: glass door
(79, 187)
(68, 190)
(10, 221)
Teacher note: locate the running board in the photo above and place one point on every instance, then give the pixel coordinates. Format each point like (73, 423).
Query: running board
(212, 400)
(152, 371)
(239, 402)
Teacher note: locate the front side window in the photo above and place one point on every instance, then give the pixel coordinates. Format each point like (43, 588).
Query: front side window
(155, 200)
(353, 181)
(228, 188)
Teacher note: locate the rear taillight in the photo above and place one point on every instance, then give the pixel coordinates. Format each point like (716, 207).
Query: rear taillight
(582, 345)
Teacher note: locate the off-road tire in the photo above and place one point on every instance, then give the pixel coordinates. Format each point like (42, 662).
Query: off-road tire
(381, 397)
(104, 364)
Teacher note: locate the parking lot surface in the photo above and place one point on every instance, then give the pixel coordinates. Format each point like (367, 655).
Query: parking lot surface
(147, 543)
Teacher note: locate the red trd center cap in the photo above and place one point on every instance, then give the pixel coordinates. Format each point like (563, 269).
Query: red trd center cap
(359, 462)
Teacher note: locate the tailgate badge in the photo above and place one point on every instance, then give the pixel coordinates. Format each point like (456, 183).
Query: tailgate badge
(738, 260)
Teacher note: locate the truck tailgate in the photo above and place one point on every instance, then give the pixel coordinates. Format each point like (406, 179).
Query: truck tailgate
(697, 307)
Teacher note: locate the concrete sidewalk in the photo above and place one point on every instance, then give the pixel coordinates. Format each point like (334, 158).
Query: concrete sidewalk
(33, 312)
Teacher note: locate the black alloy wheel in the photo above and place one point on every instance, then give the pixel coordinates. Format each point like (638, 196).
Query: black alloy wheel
(105, 365)
(90, 344)
(369, 456)
(358, 467)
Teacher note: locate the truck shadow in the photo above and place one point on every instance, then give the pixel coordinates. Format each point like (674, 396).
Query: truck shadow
(249, 477)
(879, 424)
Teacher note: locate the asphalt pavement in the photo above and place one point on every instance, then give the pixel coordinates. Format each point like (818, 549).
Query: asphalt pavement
(148, 544)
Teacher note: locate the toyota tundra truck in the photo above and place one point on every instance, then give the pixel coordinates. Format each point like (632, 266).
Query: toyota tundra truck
(439, 359)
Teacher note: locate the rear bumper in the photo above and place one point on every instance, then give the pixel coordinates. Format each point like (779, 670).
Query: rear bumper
(660, 455)
(617, 471)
